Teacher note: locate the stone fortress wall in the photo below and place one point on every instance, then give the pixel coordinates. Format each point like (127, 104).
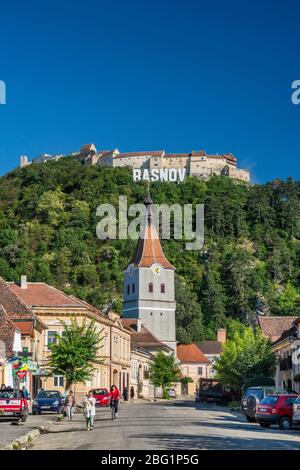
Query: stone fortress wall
(196, 163)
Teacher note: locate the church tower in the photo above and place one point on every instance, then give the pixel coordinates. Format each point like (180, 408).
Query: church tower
(149, 292)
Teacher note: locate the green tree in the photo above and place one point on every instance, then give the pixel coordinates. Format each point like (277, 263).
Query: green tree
(188, 313)
(76, 352)
(247, 354)
(164, 371)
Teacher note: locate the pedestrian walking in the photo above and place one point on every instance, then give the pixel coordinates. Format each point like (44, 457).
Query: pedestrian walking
(70, 405)
(89, 411)
(125, 394)
(114, 398)
(132, 393)
(25, 392)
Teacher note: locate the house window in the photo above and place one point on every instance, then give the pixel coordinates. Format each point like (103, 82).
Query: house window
(105, 346)
(151, 287)
(162, 288)
(200, 370)
(128, 289)
(52, 339)
(58, 380)
(133, 288)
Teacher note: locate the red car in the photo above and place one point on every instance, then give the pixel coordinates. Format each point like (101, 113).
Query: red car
(276, 409)
(13, 404)
(102, 396)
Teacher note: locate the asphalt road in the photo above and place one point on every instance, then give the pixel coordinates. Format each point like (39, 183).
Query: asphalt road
(175, 425)
(9, 432)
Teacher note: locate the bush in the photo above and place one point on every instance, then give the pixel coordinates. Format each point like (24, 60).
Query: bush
(186, 380)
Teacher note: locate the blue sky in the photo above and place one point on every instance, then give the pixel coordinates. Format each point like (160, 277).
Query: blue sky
(174, 75)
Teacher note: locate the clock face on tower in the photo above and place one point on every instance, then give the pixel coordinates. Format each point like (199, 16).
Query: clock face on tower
(156, 269)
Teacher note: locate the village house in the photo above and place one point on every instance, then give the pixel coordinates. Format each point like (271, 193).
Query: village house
(194, 365)
(144, 347)
(49, 306)
(213, 350)
(31, 329)
(10, 345)
(140, 378)
(287, 349)
(284, 332)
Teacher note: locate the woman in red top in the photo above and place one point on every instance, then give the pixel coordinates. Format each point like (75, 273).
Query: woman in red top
(115, 396)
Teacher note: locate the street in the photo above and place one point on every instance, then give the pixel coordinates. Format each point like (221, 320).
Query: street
(174, 425)
(9, 432)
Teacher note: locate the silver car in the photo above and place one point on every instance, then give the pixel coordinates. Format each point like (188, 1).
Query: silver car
(296, 411)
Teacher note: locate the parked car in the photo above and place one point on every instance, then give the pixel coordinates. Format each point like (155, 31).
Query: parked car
(211, 391)
(296, 411)
(253, 396)
(276, 409)
(13, 403)
(48, 400)
(102, 396)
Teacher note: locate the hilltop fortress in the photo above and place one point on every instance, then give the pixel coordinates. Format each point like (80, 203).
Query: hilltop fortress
(196, 163)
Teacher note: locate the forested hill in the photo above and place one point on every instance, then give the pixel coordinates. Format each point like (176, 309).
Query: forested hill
(249, 265)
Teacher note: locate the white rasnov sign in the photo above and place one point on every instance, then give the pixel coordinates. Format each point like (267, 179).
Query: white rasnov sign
(164, 174)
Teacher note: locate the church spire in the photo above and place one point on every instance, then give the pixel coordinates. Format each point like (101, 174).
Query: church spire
(149, 250)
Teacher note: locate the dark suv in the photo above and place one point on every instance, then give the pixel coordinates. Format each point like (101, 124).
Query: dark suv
(253, 396)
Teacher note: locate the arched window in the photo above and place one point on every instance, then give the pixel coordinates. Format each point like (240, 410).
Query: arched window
(162, 288)
(150, 287)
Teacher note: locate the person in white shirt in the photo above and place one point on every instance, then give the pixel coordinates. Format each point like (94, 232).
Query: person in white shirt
(90, 410)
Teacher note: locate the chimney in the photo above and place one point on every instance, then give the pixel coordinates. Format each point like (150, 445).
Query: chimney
(23, 282)
(221, 335)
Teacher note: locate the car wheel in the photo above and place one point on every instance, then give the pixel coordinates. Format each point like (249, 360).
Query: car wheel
(250, 419)
(285, 423)
(34, 412)
(251, 405)
(264, 425)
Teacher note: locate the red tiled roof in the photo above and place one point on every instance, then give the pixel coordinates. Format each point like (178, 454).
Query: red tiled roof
(38, 294)
(198, 153)
(87, 147)
(26, 327)
(273, 327)
(12, 304)
(210, 347)
(148, 250)
(190, 353)
(155, 153)
(143, 338)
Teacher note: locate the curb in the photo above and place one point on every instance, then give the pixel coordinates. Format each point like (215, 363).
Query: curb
(22, 442)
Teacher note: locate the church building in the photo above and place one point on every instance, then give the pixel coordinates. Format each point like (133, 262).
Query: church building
(149, 291)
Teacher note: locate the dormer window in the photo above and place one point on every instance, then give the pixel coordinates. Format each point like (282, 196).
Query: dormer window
(162, 288)
(150, 287)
